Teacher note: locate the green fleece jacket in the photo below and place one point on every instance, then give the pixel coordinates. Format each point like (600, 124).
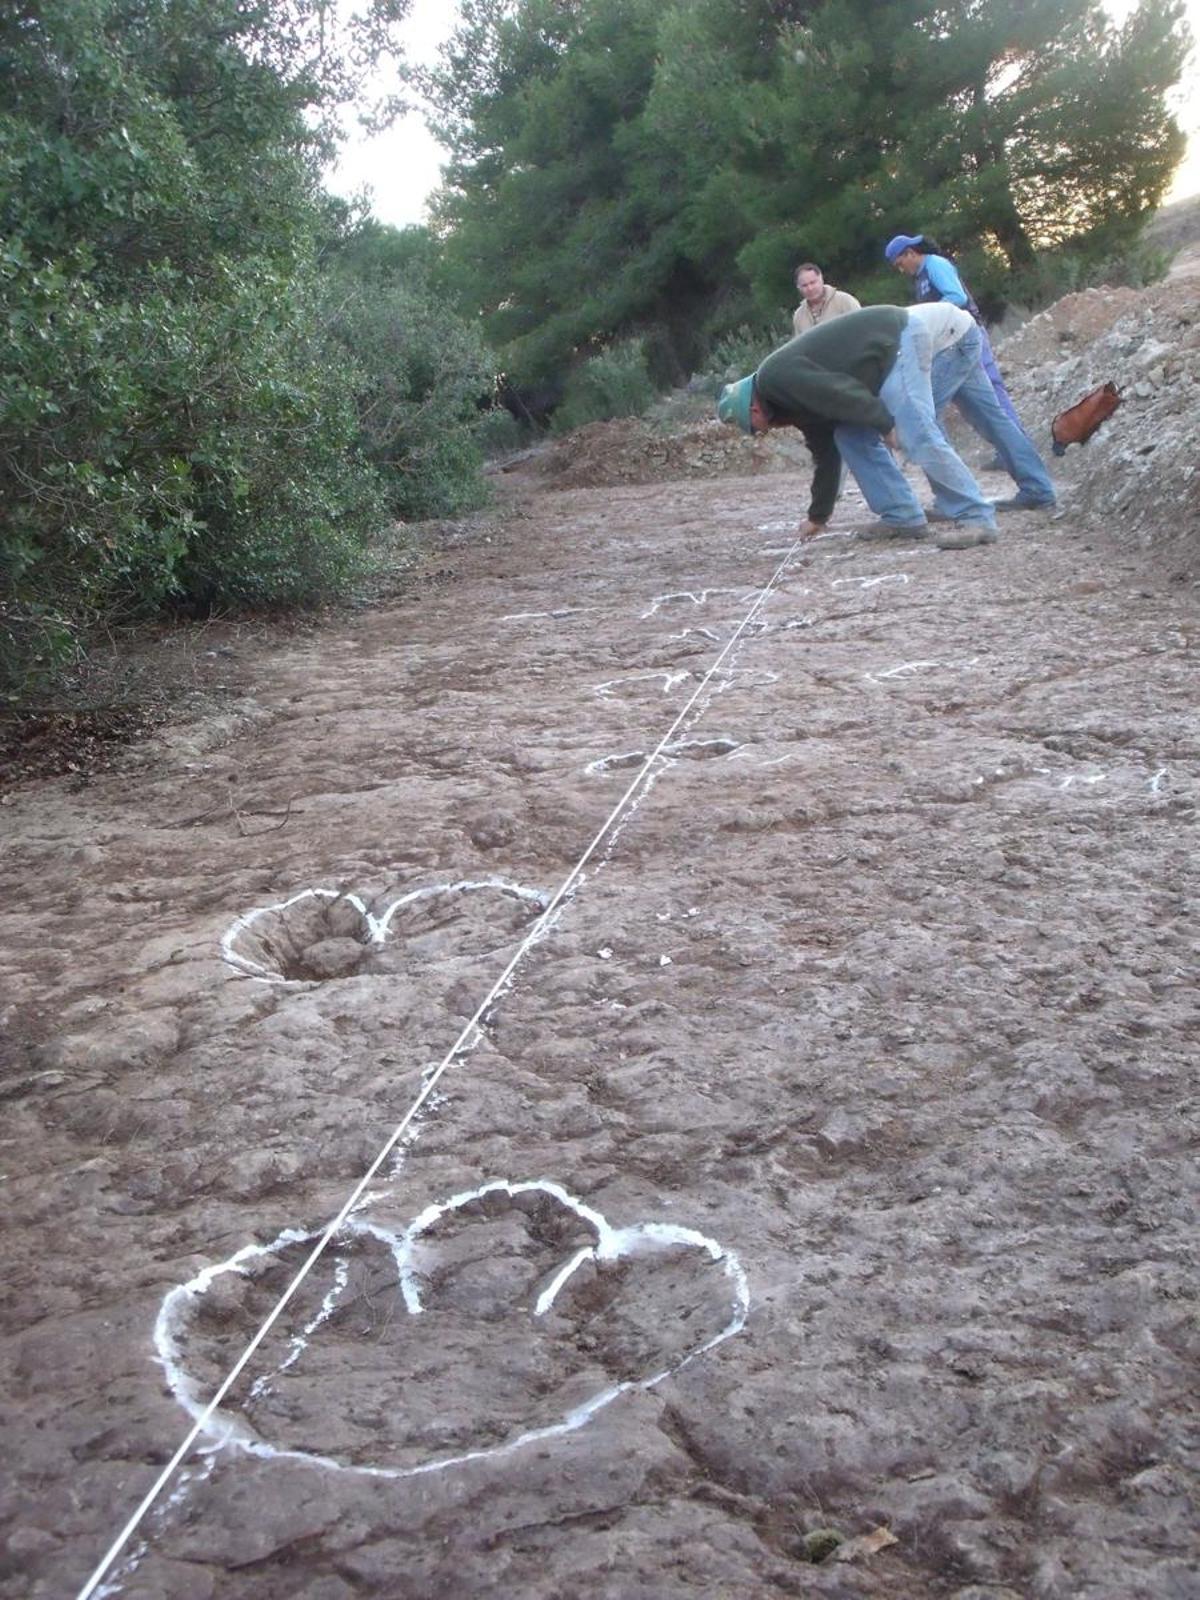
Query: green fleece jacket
(831, 375)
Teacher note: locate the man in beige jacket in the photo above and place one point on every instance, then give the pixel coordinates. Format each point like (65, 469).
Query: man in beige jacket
(820, 302)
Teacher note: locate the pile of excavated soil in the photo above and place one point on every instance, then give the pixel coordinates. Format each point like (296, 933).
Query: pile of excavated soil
(1140, 469)
(1070, 324)
(628, 450)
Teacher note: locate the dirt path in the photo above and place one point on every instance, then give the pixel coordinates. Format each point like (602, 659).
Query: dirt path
(878, 1015)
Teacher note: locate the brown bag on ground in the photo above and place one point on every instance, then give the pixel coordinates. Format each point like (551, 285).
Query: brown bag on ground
(1078, 423)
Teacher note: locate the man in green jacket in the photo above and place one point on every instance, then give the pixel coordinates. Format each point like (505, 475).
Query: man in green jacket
(846, 385)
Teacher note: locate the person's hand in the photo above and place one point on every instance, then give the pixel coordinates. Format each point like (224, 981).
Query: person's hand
(809, 529)
(891, 440)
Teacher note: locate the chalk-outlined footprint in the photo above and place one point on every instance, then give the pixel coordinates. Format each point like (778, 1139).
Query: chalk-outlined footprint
(681, 750)
(508, 1314)
(326, 933)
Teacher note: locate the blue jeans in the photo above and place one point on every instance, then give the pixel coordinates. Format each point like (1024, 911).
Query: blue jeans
(959, 374)
(992, 372)
(908, 394)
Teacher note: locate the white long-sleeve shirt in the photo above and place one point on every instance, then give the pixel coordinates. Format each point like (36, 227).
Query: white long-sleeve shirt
(944, 323)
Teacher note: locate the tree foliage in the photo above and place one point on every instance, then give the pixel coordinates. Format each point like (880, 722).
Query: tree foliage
(421, 373)
(190, 412)
(625, 167)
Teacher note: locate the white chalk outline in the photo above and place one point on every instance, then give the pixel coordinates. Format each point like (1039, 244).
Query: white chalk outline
(546, 616)
(470, 1035)
(907, 667)
(603, 765)
(612, 1244)
(377, 927)
(697, 597)
(710, 634)
(872, 583)
(764, 678)
(669, 680)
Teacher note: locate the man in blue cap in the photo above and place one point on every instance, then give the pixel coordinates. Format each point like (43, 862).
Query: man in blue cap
(935, 277)
(846, 385)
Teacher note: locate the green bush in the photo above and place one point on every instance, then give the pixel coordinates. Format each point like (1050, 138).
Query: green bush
(498, 433)
(194, 448)
(178, 426)
(742, 350)
(615, 383)
(1066, 271)
(421, 372)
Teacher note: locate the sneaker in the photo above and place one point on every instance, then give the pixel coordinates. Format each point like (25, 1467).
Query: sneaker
(963, 535)
(1018, 502)
(892, 530)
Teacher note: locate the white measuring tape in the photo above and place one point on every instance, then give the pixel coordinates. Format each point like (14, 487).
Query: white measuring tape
(466, 1041)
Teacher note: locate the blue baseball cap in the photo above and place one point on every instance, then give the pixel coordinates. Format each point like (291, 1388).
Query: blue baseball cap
(733, 405)
(902, 242)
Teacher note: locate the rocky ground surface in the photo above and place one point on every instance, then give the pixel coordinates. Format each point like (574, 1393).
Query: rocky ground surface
(810, 1210)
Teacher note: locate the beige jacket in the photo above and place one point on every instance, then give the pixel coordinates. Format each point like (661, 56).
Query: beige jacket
(834, 303)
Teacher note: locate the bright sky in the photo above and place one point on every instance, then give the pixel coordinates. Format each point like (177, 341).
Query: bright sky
(401, 167)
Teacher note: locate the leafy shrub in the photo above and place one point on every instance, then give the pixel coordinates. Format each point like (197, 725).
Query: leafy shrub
(498, 433)
(740, 351)
(195, 448)
(681, 407)
(1066, 271)
(615, 383)
(177, 427)
(421, 372)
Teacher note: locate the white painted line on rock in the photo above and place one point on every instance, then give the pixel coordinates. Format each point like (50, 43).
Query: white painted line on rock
(606, 764)
(762, 678)
(470, 1035)
(905, 669)
(697, 597)
(696, 633)
(546, 616)
(611, 1244)
(669, 681)
(872, 583)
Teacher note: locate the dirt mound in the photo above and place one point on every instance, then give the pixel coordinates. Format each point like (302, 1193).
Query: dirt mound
(1141, 466)
(1068, 325)
(628, 450)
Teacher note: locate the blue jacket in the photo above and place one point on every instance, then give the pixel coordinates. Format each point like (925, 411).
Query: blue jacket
(938, 279)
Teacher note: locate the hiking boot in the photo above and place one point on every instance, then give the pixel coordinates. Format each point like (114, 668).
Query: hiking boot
(1018, 502)
(932, 514)
(963, 535)
(892, 530)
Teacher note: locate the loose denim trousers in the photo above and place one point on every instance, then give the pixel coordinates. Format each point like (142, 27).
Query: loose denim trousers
(959, 375)
(908, 394)
(992, 372)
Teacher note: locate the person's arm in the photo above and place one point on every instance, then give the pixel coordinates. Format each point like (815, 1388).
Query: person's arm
(944, 279)
(826, 479)
(853, 305)
(798, 323)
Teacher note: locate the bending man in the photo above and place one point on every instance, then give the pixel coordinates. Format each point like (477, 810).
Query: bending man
(847, 384)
